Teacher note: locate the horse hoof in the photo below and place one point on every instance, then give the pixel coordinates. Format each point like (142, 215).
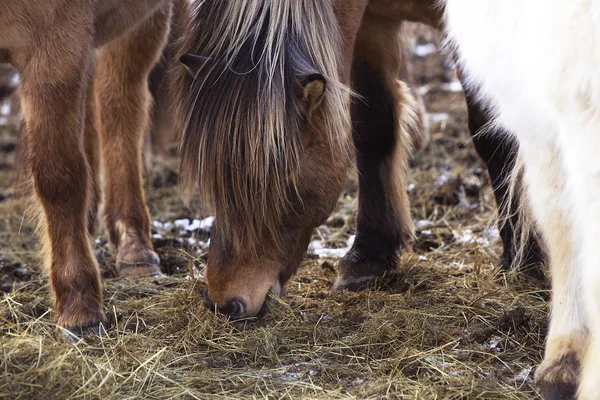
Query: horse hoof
(140, 264)
(355, 274)
(74, 334)
(557, 380)
(558, 391)
(139, 270)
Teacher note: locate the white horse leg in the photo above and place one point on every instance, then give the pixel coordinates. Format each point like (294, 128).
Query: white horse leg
(580, 135)
(544, 175)
(537, 62)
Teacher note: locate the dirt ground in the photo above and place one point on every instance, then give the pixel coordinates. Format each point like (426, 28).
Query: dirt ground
(447, 325)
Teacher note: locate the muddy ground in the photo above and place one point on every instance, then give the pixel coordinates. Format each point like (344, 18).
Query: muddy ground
(447, 325)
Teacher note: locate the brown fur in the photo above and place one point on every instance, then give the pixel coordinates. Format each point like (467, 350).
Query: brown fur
(52, 43)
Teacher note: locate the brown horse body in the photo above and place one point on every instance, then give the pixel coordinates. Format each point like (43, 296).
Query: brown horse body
(266, 111)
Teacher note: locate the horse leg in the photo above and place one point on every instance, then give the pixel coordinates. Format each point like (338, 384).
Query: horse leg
(383, 117)
(53, 80)
(544, 175)
(92, 151)
(123, 100)
(581, 144)
(499, 154)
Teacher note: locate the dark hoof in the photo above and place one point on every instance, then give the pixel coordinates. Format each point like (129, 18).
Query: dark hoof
(557, 391)
(139, 270)
(557, 378)
(234, 308)
(357, 274)
(147, 264)
(75, 334)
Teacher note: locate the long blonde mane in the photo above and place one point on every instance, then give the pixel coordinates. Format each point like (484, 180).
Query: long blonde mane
(243, 134)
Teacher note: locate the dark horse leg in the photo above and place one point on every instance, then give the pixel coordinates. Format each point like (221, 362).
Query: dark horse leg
(499, 153)
(383, 118)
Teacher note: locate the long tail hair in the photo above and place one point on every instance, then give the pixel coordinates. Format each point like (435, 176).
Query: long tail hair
(242, 138)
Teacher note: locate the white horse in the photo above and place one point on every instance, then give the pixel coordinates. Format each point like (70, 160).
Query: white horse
(537, 65)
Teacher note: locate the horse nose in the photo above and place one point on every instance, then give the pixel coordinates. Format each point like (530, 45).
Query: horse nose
(234, 308)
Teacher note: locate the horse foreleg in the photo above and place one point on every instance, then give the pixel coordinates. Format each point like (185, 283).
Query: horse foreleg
(565, 344)
(382, 118)
(499, 154)
(581, 146)
(123, 100)
(53, 80)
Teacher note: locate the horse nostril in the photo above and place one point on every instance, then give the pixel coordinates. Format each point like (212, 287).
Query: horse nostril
(234, 308)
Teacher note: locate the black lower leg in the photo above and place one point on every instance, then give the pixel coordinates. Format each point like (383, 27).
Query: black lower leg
(380, 230)
(499, 153)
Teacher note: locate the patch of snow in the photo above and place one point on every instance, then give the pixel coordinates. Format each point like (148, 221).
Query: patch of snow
(523, 376)
(334, 253)
(182, 223)
(158, 224)
(195, 225)
(423, 50)
(467, 236)
(315, 245)
(449, 64)
(351, 240)
(442, 179)
(423, 90)
(454, 86)
(318, 249)
(423, 224)
(493, 343)
(438, 117)
(492, 233)
(435, 360)
(207, 223)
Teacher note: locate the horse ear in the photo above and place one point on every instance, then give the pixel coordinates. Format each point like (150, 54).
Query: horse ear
(193, 63)
(313, 89)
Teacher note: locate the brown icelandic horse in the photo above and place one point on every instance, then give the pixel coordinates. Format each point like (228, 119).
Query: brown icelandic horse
(267, 126)
(84, 70)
